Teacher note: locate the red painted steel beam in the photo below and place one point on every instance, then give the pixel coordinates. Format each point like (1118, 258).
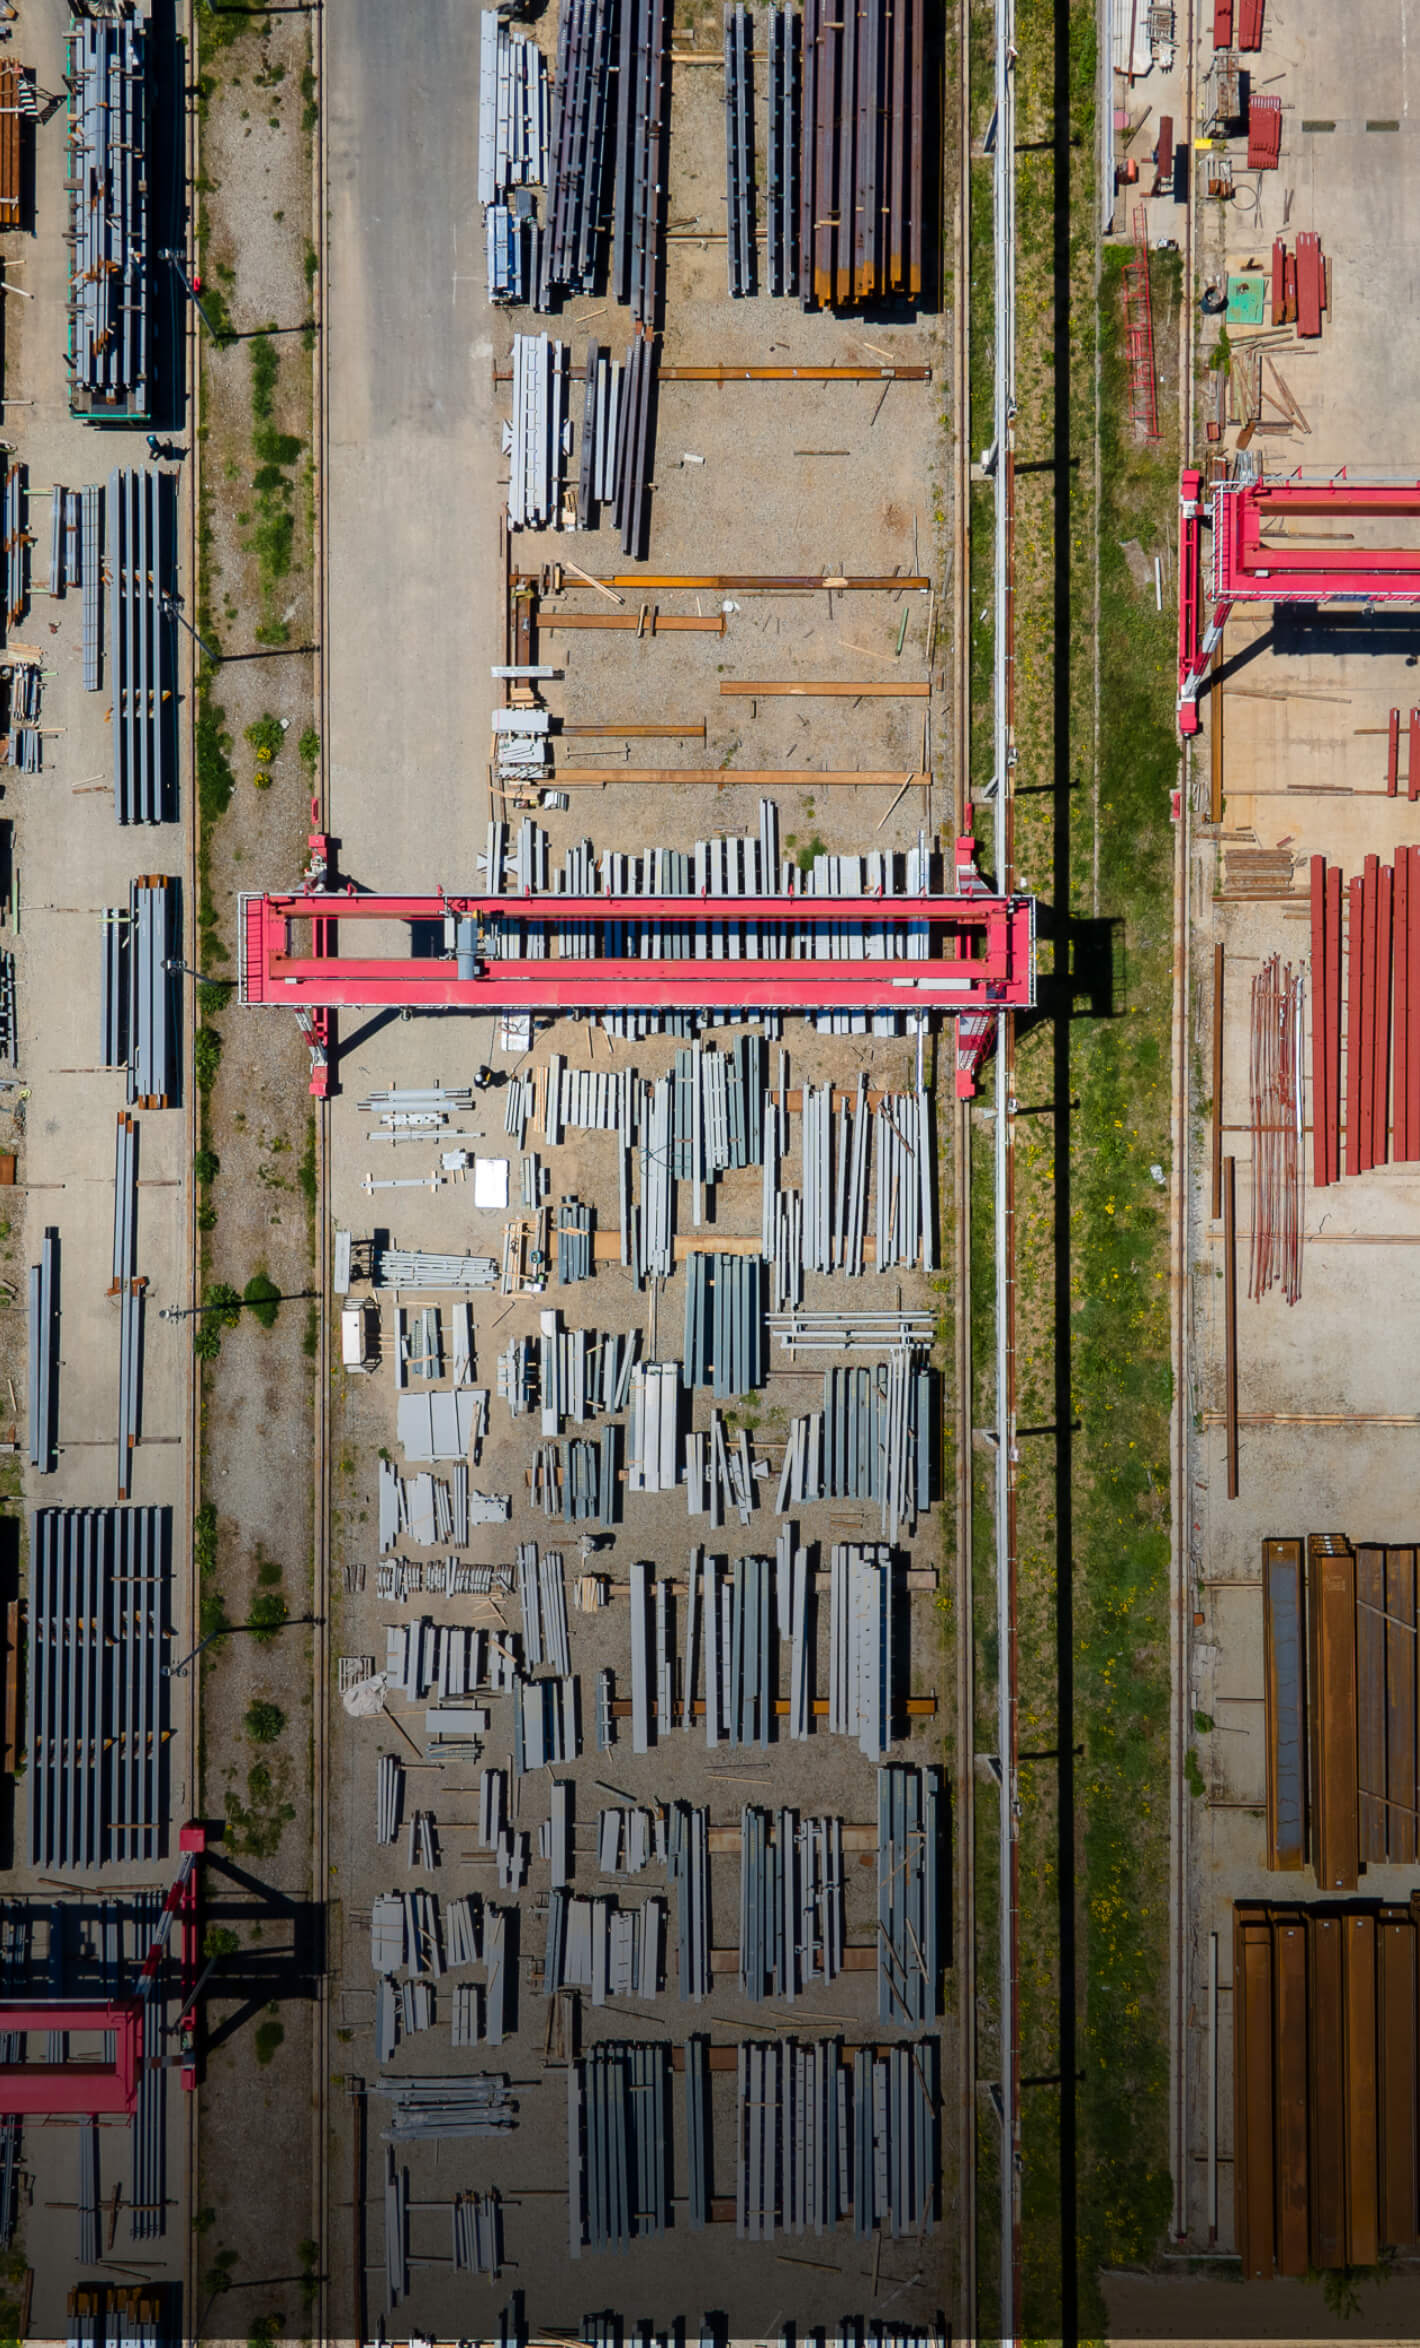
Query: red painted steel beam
(1333, 1024)
(1189, 594)
(42, 2088)
(1353, 1027)
(1392, 755)
(942, 912)
(1369, 892)
(992, 966)
(1380, 1142)
(1320, 1155)
(1402, 1004)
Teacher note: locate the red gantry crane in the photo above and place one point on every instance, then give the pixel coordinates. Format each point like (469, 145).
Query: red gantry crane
(1248, 568)
(972, 954)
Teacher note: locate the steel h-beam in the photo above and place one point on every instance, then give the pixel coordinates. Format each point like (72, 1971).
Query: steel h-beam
(1249, 569)
(979, 954)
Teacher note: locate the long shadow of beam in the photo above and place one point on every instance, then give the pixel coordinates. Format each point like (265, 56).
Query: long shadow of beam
(1066, 1860)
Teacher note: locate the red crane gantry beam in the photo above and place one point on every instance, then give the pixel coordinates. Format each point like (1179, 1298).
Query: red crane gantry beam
(990, 963)
(73, 2087)
(1250, 569)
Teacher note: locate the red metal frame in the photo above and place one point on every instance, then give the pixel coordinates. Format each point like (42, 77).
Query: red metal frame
(988, 961)
(1247, 570)
(73, 2087)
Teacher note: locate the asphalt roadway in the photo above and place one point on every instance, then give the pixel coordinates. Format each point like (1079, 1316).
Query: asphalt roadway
(412, 492)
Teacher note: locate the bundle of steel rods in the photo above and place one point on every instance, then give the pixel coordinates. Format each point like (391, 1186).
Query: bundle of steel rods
(44, 1353)
(862, 204)
(537, 439)
(97, 1691)
(130, 1299)
(140, 1008)
(582, 81)
(141, 540)
(785, 29)
(1275, 1097)
(635, 445)
(639, 172)
(106, 73)
(17, 542)
(739, 147)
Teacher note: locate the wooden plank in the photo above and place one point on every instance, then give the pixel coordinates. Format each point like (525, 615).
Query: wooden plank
(1284, 1678)
(1399, 2152)
(802, 778)
(1353, 1026)
(1400, 1704)
(1327, 2091)
(1370, 1702)
(1253, 2168)
(1361, 2148)
(821, 689)
(1289, 2057)
(1332, 1594)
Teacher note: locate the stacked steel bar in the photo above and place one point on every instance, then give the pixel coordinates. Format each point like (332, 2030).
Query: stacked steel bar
(90, 579)
(1275, 1095)
(97, 1691)
(141, 546)
(537, 440)
(791, 1903)
(739, 147)
(862, 199)
(140, 1020)
(44, 1353)
(1365, 948)
(792, 2170)
(581, 85)
(618, 2145)
(1326, 2040)
(513, 108)
(23, 748)
(108, 218)
(785, 70)
(688, 1866)
(724, 1324)
(17, 542)
(639, 170)
(909, 1900)
(130, 1300)
(10, 119)
(635, 444)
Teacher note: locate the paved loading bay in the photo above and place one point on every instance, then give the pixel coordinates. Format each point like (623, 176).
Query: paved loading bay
(1325, 1388)
(416, 498)
(70, 860)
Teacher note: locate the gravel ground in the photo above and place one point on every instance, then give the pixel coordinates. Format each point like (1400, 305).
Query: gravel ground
(257, 1468)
